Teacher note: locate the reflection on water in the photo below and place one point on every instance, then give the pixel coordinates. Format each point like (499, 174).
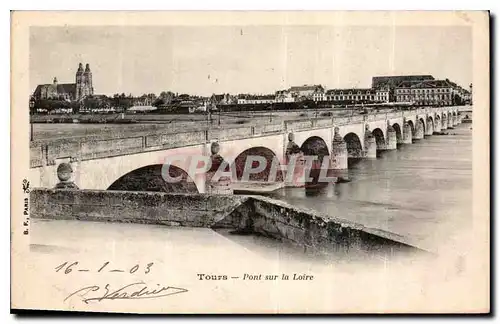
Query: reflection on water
(422, 191)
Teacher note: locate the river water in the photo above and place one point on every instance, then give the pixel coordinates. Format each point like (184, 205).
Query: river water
(422, 191)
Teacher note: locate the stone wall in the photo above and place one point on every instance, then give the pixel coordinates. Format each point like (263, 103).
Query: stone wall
(310, 229)
(249, 214)
(133, 207)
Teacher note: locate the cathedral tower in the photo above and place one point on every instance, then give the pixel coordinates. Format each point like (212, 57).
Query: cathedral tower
(79, 82)
(87, 76)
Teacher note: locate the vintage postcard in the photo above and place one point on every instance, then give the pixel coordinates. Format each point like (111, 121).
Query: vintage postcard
(250, 162)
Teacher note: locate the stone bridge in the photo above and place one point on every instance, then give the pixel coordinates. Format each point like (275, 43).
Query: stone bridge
(133, 161)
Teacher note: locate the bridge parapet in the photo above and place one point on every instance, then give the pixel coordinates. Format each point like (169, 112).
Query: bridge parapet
(393, 115)
(171, 140)
(298, 125)
(341, 121)
(323, 122)
(122, 143)
(356, 119)
(268, 129)
(230, 133)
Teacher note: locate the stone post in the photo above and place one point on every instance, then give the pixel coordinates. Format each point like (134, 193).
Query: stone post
(339, 152)
(223, 184)
(370, 144)
(392, 140)
(64, 173)
(407, 136)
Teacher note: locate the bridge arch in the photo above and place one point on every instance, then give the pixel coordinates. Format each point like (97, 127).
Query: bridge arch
(150, 178)
(430, 119)
(272, 170)
(399, 132)
(379, 138)
(315, 146)
(354, 146)
(412, 126)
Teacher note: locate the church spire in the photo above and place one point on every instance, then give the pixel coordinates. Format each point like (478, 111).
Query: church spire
(87, 68)
(80, 67)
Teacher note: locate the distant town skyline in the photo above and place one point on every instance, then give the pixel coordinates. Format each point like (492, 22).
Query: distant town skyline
(246, 59)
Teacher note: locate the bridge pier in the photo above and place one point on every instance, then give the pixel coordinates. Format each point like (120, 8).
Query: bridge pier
(419, 130)
(370, 145)
(430, 127)
(450, 121)
(294, 174)
(339, 152)
(221, 185)
(392, 140)
(294, 164)
(444, 122)
(437, 125)
(407, 136)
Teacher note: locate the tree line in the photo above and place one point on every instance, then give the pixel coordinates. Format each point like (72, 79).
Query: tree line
(117, 101)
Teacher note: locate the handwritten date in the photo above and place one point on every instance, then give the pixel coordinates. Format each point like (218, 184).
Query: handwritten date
(67, 268)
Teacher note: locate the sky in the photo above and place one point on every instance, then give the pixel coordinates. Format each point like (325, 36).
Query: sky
(204, 60)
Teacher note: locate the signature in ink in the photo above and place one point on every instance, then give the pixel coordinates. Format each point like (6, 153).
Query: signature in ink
(136, 290)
